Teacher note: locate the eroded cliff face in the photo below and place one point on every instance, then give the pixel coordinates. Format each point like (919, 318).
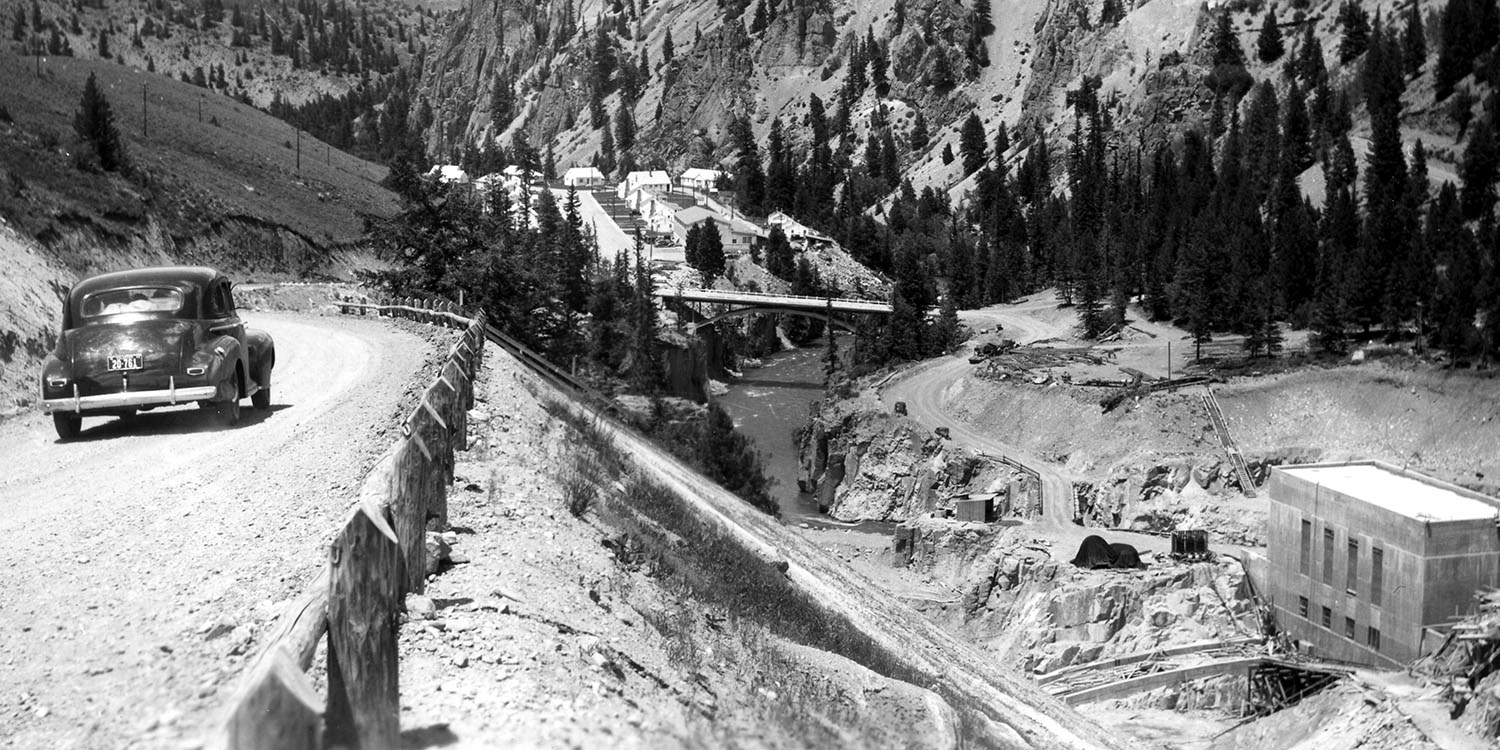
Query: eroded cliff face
(1149, 65)
(864, 464)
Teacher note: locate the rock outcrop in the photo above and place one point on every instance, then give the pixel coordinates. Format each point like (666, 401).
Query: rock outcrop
(868, 465)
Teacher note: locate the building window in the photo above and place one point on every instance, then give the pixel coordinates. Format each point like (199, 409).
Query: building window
(1349, 628)
(1306, 564)
(1302, 606)
(1328, 556)
(1377, 577)
(1372, 638)
(1328, 618)
(1351, 573)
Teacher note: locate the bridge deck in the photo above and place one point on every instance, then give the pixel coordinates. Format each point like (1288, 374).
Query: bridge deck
(840, 304)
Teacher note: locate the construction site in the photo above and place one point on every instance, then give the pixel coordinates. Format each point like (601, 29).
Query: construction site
(1206, 553)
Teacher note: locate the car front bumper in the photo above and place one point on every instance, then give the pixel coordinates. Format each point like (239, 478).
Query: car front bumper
(125, 399)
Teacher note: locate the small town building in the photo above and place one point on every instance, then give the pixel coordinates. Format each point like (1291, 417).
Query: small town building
(795, 230)
(583, 177)
(648, 180)
(1370, 563)
(700, 179)
(449, 174)
(738, 235)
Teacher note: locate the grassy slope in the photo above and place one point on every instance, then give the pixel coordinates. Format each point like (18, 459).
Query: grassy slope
(239, 167)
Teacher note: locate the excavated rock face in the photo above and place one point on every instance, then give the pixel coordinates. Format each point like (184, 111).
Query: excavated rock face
(866, 465)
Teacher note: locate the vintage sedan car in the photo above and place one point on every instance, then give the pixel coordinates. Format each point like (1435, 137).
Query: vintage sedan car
(137, 340)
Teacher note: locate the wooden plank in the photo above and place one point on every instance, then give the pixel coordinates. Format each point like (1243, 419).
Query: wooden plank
(364, 601)
(303, 623)
(277, 708)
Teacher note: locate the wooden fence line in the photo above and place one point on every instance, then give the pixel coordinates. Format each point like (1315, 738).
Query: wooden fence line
(378, 556)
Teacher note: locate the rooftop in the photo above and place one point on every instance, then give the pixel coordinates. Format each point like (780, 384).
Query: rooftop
(1407, 493)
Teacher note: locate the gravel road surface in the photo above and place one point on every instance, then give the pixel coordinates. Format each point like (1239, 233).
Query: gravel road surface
(144, 561)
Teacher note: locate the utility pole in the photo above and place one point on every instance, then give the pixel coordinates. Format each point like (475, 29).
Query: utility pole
(299, 152)
(327, 160)
(1169, 361)
(200, 109)
(143, 110)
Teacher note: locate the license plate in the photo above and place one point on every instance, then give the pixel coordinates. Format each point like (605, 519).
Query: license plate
(125, 362)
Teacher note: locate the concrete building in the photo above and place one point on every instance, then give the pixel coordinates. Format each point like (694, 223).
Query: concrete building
(583, 177)
(1370, 563)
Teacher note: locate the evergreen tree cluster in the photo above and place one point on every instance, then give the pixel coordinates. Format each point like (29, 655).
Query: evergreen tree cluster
(542, 283)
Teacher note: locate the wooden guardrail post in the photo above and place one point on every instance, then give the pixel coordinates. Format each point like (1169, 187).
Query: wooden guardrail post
(411, 469)
(457, 414)
(430, 432)
(277, 708)
(364, 599)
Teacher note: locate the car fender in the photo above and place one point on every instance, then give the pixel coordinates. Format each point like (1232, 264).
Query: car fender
(262, 355)
(228, 352)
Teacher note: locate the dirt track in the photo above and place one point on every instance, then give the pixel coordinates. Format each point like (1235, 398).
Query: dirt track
(144, 560)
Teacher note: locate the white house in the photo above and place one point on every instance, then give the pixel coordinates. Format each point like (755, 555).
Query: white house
(652, 180)
(700, 179)
(795, 230)
(448, 173)
(583, 177)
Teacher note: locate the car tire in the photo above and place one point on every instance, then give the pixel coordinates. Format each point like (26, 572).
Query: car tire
(67, 425)
(228, 412)
(262, 399)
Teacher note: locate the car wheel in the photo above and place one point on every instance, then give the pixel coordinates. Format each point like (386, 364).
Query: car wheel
(228, 412)
(67, 425)
(262, 399)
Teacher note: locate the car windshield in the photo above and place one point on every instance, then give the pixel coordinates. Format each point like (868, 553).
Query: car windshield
(137, 300)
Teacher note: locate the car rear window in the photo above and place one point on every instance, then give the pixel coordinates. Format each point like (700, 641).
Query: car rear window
(136, 300)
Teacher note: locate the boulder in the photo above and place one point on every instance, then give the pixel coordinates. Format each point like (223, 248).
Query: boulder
(438, 551)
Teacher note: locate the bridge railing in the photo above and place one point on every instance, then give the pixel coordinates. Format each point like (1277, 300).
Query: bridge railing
(731, 296)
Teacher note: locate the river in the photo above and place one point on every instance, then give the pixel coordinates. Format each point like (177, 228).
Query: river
(769, 404)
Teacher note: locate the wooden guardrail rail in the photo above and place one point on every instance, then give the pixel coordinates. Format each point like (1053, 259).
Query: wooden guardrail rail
(378, 556)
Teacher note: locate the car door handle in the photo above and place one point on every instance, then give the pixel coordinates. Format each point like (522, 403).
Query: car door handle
(223, 327)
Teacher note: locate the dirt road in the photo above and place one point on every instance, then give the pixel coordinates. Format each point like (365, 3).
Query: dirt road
(143, 561)
(929, 387)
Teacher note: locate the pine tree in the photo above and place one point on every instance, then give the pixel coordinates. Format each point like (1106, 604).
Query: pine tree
(1268, 45)
(666, 48)
(1414, 41)
(780, 260)
(758, 20)
(971, 143)
(1309, 64)
(624, 129)
(18, 28)
(918, 137)
(947, 154)
(1457, 47)
(103, 44)
(710, 252)
(95, 124)
(984, 24)
(1354, 30)
(1226, 45)
(1479, 169)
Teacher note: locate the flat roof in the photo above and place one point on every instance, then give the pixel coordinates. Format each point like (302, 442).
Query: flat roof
(1403, 492)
